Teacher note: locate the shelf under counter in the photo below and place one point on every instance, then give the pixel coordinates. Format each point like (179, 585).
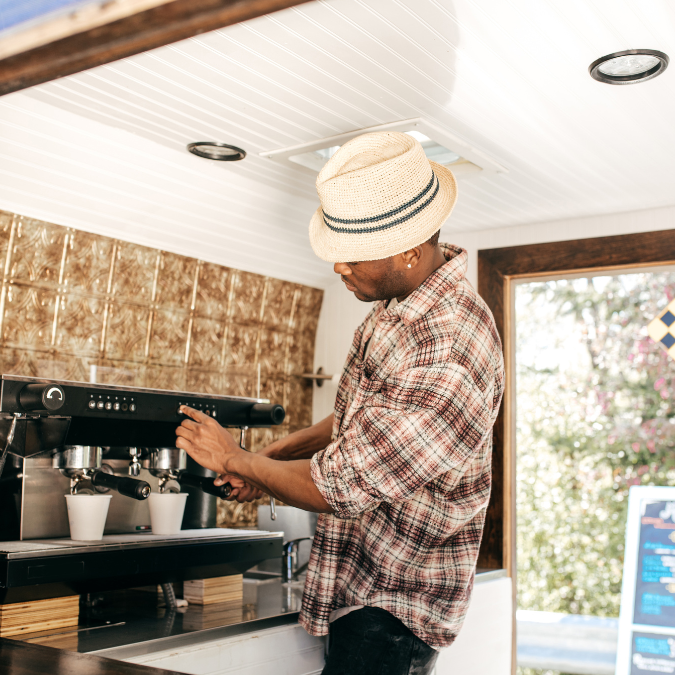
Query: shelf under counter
(131, 623)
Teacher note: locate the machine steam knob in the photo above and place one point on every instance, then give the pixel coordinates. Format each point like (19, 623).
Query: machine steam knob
(42, 397)
(266, 414)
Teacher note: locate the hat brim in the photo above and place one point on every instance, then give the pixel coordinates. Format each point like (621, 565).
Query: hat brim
(334, 246)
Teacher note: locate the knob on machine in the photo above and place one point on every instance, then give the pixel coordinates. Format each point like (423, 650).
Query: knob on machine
(266, 414)
(42, 397)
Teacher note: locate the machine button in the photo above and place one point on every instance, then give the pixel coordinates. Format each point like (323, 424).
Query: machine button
(125, 407)
(108, 405)
(132, 407)
(100, 405)
(116, 406)
(92, 404)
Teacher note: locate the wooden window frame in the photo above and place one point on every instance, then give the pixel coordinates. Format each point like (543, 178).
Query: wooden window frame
(497, 269)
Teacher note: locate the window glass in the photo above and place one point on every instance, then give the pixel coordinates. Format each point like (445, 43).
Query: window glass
(594, 415)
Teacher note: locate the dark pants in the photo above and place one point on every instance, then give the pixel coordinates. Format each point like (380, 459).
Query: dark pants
(371, 641)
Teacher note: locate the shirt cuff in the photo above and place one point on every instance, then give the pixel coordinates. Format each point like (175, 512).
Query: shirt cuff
(346, 500)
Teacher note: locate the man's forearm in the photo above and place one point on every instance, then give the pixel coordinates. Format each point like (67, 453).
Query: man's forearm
(288, 481)
(303, 444)
(212, 446)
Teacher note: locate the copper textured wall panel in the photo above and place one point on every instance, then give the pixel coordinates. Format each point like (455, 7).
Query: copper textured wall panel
(80, 306)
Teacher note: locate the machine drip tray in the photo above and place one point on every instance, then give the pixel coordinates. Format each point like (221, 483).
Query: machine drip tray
(38, 547)
(31, 570)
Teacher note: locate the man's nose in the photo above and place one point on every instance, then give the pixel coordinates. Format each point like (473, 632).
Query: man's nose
(342, 269)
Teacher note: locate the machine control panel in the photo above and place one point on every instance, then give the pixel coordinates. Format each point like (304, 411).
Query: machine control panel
(94, 401)
(119, 403)
(49, 414)
(203, 406)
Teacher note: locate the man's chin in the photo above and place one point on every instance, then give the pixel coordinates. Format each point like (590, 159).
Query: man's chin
(359, 296)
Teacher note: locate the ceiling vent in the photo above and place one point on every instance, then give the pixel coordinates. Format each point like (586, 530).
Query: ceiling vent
(439, 146)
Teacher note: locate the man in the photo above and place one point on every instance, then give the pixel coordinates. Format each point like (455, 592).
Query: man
(401, 471)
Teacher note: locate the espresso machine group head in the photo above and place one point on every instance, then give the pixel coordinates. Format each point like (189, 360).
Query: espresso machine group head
(82, 463)
(168, 465)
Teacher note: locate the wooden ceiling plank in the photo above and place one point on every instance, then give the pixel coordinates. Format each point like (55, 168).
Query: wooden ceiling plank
(139, 32)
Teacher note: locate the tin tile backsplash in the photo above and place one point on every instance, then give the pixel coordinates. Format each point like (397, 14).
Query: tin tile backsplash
(79, 306)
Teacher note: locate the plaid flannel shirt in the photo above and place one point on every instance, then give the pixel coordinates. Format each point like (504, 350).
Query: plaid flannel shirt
(408, 471)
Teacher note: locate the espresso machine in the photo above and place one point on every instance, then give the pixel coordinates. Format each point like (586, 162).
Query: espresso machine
(59, 438)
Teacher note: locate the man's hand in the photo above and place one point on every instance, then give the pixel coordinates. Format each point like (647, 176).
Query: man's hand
(242, 491)
(214, 448)
(206, 441)
(209, 445)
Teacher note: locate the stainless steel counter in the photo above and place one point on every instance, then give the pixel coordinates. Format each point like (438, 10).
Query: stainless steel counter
(131, 620)
(131, 624)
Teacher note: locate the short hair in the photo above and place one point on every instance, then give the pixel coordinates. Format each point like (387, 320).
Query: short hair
(433, 239)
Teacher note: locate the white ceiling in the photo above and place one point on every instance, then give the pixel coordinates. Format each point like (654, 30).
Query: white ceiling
(510, 77)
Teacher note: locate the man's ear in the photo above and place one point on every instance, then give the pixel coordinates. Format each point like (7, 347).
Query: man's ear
(412, 257)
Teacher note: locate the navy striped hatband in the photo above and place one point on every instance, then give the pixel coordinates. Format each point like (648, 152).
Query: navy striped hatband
(384, 216)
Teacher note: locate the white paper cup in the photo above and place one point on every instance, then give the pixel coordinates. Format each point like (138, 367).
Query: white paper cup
(86, 516)
(166, 511)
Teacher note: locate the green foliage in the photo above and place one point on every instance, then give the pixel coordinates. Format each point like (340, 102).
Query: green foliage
(595, 415)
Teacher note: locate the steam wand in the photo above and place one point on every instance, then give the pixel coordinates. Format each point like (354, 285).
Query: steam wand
(242, 445)
(10, 438)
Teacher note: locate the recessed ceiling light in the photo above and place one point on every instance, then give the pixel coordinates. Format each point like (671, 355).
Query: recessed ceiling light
(632, 65)
(218, 151)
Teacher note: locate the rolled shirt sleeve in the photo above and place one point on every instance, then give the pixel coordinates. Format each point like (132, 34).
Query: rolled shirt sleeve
(427, 423)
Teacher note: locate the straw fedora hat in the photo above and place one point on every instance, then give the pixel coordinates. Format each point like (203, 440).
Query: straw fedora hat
(380, 196)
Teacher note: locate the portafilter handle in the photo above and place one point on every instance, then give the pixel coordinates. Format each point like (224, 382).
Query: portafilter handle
(129, 487)
(205, 484)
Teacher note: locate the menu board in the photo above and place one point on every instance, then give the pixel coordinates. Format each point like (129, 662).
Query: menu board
(647, 621)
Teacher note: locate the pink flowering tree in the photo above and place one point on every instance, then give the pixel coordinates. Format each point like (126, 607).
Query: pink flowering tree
(595, 415)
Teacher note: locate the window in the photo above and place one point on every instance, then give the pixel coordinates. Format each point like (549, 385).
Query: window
(595, 414)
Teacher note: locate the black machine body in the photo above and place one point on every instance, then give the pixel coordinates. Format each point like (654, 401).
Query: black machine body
(53, 413)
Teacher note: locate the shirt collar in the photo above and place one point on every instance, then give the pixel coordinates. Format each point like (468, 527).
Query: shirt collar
(432, 289)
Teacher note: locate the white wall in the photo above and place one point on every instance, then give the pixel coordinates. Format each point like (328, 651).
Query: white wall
(483, 646)
(70, 170)
(341, 313)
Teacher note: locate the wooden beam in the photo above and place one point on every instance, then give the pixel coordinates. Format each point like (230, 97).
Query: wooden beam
(161, 22)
